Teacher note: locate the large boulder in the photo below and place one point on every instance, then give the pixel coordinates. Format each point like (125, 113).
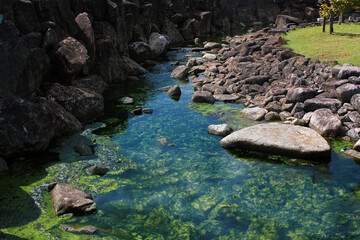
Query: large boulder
(171, 30)
(203, 97)
(282, 139)
(84, 104)
(84, 23)
(70, 58)
(133, 68)
(254, 113)
(29, 126)
(94, 83)
(325, 122)
(140, 51)
(346, 91)
(68, 199)
(158, 43)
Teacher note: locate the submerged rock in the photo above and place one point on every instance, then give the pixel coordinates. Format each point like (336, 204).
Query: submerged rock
(163, 141)
(276, 138)
(83, 150)
(97, 170)
(220, 130)
(68, 199)
(83, 230)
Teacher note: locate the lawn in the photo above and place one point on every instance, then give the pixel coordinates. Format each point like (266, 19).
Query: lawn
(343, 45)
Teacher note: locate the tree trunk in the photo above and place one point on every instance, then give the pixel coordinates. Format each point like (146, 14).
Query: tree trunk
(331, 23)
(341, 19)
(324, 24)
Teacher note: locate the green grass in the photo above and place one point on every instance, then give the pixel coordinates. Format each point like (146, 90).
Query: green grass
(343, 45)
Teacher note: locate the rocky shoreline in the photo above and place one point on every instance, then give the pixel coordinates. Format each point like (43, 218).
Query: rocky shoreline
(277, 84)
(58, 57)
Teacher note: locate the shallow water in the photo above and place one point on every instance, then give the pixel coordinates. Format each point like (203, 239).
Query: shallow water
(193, 189)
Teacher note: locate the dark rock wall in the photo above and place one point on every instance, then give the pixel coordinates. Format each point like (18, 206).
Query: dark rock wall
(49, 42)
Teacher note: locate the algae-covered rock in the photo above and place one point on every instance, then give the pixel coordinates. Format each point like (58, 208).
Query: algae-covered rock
(83, 230)
(68, 199)
(280, 139)
(97, 170)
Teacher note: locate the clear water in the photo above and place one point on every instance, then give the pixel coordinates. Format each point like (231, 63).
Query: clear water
(193, 189)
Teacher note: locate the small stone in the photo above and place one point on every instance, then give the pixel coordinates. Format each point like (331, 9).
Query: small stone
(220, 130)
(83, 150)
(163, 141)
(126, 100)
(147, 110)
(97, 170)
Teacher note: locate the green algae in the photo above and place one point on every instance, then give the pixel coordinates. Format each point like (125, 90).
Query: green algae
(339, 145)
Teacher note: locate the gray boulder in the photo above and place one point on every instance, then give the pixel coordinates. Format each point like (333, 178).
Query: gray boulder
(180, 72)
(93, 82)
(255, 113)
(158, 43)
(346, 91)
(220, 130)
(325, 122)
(313, 104)
(203, 97)
(68, 199)
(300, 94)
(276, 138)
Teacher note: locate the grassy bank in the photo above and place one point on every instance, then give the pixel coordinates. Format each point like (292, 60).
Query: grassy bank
(343, 45)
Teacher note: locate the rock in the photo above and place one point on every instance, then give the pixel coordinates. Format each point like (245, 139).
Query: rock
(283, 55)
(165, 89)
(147, 110)
(203, 97)
(180, 72)
(276, 138)
(140, 51)
(3, 165)
(255, 113)
(32, 125)
(212, 45)
(158, 43)
(260, 79)
(83, 230)
(97, 170)
(133, 68)
(355, 102)
(209, 57)
(357, 146)
(83, 104)
(84, 23)
(272, 116)
(68, 199)
(137, 111)
(83, 150)
(171, 30)
(163, 141)
(313, 104)
(300, 94)
(126, 100)
(220, 130)
(346, 91)
(345, 71)
(93, 82)
(174, 91)
(70, 58)
(285, 20)
(352, 153)
(26, 18)
(325, 122)
(226, 97)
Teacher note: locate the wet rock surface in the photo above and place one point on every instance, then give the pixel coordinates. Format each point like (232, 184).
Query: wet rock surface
(68, 199)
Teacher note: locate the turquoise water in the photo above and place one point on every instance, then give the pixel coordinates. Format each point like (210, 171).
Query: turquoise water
(191, 188)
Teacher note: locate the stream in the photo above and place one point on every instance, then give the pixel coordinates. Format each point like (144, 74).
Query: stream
(188, 188)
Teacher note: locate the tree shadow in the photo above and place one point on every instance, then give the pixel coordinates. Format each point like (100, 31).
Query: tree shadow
(344, 34)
